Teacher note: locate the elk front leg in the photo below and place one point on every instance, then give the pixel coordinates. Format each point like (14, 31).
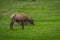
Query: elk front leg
(22, 25)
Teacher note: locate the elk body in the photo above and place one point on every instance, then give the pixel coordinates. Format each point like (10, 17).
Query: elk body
(20, 18)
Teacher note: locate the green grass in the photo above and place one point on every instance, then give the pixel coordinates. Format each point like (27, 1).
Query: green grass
(45, 13)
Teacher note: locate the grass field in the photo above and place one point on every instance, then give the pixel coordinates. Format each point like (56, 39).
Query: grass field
(46, 14)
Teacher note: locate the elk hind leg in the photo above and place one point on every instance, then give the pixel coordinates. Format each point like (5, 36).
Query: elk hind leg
(11, 25)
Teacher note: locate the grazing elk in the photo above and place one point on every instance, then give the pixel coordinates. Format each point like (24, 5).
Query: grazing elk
(20, 18)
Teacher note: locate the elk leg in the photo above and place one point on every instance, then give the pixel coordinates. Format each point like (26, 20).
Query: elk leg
(22, 24)
(11, 25)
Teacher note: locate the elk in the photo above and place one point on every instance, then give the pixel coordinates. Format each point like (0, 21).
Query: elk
(20, 18)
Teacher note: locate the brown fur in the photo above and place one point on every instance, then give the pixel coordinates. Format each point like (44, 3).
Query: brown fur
(20, 18)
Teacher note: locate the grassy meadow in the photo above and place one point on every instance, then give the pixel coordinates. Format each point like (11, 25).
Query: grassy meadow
(46, 14)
